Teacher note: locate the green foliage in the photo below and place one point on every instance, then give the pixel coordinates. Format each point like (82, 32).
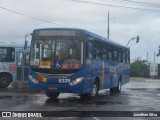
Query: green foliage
(140, 68)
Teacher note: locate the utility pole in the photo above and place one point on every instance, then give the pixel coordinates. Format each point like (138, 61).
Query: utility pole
(108, 25)
(108, 31)
(154, 57)
(147, 57)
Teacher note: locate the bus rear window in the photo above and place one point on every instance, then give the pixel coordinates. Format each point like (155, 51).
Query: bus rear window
(7, 54)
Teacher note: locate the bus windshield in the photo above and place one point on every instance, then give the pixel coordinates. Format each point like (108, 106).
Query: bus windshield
(6, 54)
(57, 53)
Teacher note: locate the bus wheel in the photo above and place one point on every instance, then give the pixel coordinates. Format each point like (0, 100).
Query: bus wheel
(93, 94)
(4, 81)
(95, 89)
(52, 95)
(116, 89)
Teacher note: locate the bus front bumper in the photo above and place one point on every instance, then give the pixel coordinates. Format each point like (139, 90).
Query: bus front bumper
(62, 88)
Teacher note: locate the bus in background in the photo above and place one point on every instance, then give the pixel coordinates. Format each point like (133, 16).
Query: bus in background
(14, 61)
(65, 60)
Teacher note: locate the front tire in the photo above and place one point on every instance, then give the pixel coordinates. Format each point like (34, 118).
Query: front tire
(94, 93)
(95, 90)
(4, 81)
(52, 95)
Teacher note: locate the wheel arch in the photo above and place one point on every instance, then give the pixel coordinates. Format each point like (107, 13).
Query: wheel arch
(7, 74)
(97, 79)
(120, 78)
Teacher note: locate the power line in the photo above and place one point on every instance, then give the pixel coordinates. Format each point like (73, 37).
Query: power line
(119, 6)
(19, 13)
(143, 3)
(134, 2)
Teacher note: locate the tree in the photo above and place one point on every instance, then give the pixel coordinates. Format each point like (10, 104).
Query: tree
(140, 68)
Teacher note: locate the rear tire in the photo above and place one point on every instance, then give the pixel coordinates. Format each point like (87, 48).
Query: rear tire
(116, 89)
(5, 81)
(52, 95)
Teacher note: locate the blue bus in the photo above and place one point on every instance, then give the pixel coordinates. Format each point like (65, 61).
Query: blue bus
(14, 63)
(66, 60)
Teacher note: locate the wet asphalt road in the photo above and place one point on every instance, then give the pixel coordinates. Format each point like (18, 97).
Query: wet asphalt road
(137, 95)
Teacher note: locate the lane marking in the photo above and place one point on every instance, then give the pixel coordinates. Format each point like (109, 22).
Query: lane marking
(63, 118)
(95, 118)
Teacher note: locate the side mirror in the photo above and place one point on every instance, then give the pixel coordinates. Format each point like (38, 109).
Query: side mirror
(26, 42)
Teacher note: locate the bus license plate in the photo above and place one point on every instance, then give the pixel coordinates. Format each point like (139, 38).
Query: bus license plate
(52, 88)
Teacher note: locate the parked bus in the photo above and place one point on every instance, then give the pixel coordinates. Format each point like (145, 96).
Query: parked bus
(64, 60)
(14, 61)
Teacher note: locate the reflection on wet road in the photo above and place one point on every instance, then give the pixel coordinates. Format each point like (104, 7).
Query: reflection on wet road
(137, 95)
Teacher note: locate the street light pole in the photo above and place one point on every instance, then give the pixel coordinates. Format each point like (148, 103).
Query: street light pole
(108, 25)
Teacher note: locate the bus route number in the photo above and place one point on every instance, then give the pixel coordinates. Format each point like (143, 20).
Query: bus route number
(64, 80)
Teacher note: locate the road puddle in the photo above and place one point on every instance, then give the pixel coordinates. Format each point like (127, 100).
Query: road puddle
(13, 100)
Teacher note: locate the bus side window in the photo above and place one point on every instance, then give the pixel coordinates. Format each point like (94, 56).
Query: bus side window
(9, 57)
(119, 55)
(96, 50)
(112, 53)
(123, 56)
(127, 56)
(110, 57)
(89, 47)
(115, 53)
(103, 51)
(13, 54)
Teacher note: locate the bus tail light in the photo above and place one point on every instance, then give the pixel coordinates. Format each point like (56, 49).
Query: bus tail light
(12, 67)
(41, 78)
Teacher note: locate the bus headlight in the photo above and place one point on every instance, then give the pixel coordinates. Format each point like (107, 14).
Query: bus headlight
(33, 79)
(76, 81)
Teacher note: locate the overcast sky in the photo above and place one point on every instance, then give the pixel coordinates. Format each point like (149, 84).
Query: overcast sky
(93, 17)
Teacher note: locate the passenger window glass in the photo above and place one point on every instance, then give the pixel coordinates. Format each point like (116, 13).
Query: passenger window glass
(26, 59)
(7, 54)
(96, 50)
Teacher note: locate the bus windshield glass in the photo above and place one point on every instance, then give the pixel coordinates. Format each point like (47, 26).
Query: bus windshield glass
(6, 54)
(56, 53)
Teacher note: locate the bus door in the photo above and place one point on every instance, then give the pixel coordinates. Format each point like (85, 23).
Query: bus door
(26, 65)
(22, 59)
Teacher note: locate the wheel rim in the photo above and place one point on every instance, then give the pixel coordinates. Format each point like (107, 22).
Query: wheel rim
(119, 86)
(3, 80)
(94, 90)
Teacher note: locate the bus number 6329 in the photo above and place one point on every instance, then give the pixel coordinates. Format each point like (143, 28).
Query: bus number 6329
(64, 80)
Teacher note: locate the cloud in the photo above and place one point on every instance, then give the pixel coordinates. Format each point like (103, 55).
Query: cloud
(128, 23)
(156, 24)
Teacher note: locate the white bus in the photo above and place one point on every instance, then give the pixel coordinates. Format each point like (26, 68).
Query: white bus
(14, 61)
